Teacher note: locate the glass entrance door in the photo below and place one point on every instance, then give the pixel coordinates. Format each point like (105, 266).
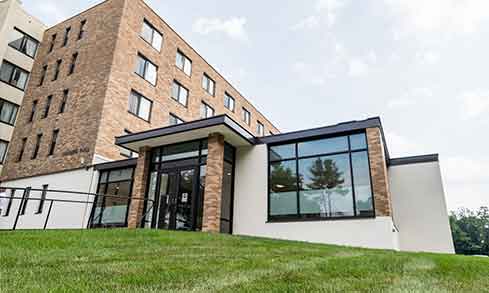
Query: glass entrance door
(177, 200)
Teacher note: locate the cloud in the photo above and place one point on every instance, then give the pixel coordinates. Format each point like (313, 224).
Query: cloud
(357, 67)
(401, 146)
(411, 97)
(428, 57)
(233, 27)
(324, 11)
(474, 104)
(459, 169)
(450, 16)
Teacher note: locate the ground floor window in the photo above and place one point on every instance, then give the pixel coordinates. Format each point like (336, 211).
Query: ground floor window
(320, 179)
(112, 203)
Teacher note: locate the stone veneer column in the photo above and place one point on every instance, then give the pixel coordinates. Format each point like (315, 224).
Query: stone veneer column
(140, 182)
(211, 220)
(378, 171)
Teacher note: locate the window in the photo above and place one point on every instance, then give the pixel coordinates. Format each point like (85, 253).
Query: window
(62, 106)
(57, 69)
(54, 142)
(33, 110)
(73, 64)
(206, 111)
(67, 36)
(260, 129)
(320, 179)
(13, 75)
(174, 120)
(23, 43)
(208, 85)
(82, 32)
(229, 102)
(151, 35)
(22, 149)
(24, 201)
(42, 200)
(125, 152)
(8, 112)
(52, 43)
(246, 116)
(146, 69)
(3, 150)
(184, 63)
(140, 105)
(37, 146)
(179, 93)
(43, 74)
(47, 107)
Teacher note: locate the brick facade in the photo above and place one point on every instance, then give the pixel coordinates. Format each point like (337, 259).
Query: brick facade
(211, 219)
(97, 109)
(378, 171)
(141, 176)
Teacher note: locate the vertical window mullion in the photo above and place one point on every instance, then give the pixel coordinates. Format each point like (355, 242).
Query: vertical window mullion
(297, 180)
(352, 179)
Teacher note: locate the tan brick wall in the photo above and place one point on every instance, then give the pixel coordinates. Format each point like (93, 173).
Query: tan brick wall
(97, 109)
(378, 171)
(211, 219)
(141, 173)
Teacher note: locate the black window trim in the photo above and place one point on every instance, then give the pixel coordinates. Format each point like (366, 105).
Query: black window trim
(4, 157)
(180, 85)
(146, 21)
(54, 142)
(179, 51)
(205, 104)
(81, 31)
(2, 100)
(140, 55)
(57, 69)
(297, 158)
(64, 101)
(205, 75)
(52, 42)
(173, 115)
(47, 107)
(23, 144)
(139, 104)
(244, 115)
(29, 36)
(66, 36)
(227, 94)
(73, 61)
(10, 78)
(37, 146)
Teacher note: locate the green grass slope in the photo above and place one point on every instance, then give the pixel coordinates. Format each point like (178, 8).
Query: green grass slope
(161, 261)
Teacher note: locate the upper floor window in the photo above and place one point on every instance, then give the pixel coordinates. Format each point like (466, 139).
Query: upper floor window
(260, 129)
(3, 150)
(179, 93)
(52, 43)
(57, 69)
(229, 102)
(64, 100)
(67, 36)
(320, 179)
(206, 111)
(151, 35)
(8, 112)
(22, 149)
(82, 32)
(33, 110)
(146, 69)
(125, 152)
(174, 120)
(54, 142)
(37, 146)
(23, 43)
(13, 75)
(74, 57)
(47, 107)
(208, 84)
(246, 116)
(43, 74)
(184, 63)
(140, 106)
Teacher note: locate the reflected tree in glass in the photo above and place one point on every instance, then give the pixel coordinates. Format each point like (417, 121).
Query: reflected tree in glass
(327, 177)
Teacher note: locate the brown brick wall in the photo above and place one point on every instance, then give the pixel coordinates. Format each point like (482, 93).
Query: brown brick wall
(378, 170)
(97, 109)
(211, 218)
(141, 173)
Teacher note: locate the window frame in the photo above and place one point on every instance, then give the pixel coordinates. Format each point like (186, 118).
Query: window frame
(54, 142)
(3, 157)
(180, 86)
(204, 107)
(44, 71)
(185, 58)
(57, 69)
(37, 146)
(47, 107)
(146, 62)
(52, 43)
(64, 101)
(23, 144)
(206, 77)
(15, 67)
(227, 96)
(297, 158)
(72, 67)
(82, 31)
(17, 107)
(260, 128)
(154, 30)
(246, 114)
(140, 96)
(66, 36)
(34, 106)
(178, 119)
(25, 38)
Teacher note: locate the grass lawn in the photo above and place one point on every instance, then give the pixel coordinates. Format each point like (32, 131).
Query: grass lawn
(155, 261)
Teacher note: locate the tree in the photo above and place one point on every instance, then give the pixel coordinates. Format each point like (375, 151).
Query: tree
(470, 231)
(326, 177)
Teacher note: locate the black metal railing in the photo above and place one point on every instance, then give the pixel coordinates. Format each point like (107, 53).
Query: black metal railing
(49, 198)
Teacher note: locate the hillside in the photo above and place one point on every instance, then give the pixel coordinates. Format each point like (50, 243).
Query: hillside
(155, 261)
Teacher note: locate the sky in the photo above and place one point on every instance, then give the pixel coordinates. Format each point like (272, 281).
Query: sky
(421, 65)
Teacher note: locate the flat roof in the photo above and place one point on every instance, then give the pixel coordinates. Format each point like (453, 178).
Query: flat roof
(414, 160)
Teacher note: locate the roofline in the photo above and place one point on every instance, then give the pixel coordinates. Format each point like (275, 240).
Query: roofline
(430, 158)
(116, 164)
(187, 126)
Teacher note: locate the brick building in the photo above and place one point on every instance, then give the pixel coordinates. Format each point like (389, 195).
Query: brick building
(122, 112)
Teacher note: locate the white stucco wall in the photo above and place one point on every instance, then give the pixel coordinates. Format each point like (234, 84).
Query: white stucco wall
(63, 215)
(419, 208)
(250, 212)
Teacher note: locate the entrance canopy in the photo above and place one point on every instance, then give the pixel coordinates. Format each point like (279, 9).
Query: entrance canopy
(233, 134)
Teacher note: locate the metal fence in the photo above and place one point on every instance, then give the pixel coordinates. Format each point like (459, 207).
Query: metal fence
(30, 208)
